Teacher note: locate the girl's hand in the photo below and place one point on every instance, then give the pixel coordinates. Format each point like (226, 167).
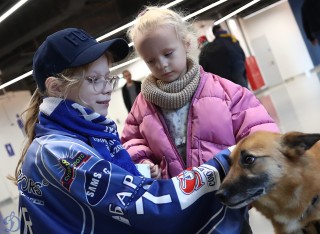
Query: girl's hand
(154, 169)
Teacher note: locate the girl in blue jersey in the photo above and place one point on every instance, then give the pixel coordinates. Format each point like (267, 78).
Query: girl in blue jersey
(74, 176)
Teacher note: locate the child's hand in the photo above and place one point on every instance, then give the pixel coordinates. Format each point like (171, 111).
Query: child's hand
(154, 169)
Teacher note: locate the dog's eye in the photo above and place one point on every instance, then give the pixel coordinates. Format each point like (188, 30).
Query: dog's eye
(249, 160)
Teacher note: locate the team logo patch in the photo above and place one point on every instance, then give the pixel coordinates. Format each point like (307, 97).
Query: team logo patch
(190, 181)
(97, 182)
(69, 165)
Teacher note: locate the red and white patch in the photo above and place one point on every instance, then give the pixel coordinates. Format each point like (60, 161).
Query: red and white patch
(190, 181)
(194, 183)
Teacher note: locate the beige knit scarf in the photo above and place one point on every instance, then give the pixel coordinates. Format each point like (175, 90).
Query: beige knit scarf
(173, 95)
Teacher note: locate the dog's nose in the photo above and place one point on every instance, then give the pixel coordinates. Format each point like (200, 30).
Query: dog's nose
(222, 194)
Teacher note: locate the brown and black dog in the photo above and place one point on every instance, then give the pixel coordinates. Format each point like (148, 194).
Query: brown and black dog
(279, 174)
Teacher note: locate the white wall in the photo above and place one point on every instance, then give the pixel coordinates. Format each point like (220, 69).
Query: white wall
(278, 25)
(11, 103)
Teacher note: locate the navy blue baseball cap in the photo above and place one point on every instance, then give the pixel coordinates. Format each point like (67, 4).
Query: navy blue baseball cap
(72, 47)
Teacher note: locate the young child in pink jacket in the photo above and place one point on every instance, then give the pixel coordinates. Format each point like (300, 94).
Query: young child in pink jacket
(184, 115)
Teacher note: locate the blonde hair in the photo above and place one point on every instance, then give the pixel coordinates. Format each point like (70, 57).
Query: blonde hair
(153, 17)
(30, 115)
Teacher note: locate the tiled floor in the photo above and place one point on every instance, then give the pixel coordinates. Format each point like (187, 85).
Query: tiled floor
(295, 105)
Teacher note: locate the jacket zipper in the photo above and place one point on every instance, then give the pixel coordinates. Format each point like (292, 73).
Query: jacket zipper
(188, 145)
(188, 149)
(170, 138)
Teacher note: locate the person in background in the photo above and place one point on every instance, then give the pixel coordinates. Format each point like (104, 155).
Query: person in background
(130, 90)
(311, 20)
(224, 57)
(74, 176)
(202, 41)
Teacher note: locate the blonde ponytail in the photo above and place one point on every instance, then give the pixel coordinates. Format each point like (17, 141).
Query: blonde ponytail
(30, 116)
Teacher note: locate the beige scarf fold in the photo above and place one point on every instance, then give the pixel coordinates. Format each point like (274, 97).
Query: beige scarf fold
(173, 95)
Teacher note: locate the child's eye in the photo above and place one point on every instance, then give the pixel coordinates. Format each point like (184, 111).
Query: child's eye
(168, 54)
(92, 79)
(149, 61)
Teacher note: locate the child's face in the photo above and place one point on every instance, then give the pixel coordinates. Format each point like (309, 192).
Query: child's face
(85, 93)
(163, 52)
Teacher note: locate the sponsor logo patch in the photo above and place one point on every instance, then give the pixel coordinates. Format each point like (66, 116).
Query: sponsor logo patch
(190, 181)
(97, 182)
(69, 165)
(194, 183)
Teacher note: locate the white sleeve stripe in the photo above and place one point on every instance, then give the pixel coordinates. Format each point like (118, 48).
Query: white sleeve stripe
(156, 200)
(231, 148)
(216, 222)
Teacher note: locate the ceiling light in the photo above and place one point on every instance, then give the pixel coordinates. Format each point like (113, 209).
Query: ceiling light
(132, 23)
(264, 9)
(236, 12)
(16, 79)
(115, 31)
(171, 4)
(204, 9)
(12, 9)
(124, 64)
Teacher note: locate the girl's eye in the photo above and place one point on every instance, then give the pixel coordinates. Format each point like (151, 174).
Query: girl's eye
(168, 54)
(91, 79)
(149, 61)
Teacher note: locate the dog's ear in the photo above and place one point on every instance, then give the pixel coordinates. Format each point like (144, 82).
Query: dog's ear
(296, 143)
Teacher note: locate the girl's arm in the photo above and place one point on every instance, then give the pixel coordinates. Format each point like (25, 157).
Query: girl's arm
(183, 203)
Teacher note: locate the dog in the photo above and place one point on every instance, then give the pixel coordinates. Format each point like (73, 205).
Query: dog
(279, 175)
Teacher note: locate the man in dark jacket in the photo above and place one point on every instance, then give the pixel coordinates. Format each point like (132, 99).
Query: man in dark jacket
(224, 57)
(130, 90)
(310, 11)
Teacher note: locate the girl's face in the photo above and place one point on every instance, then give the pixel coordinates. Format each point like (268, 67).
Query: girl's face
(163, 52)
(98, 98)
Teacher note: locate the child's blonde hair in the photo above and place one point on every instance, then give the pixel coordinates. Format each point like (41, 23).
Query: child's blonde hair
(154, 17)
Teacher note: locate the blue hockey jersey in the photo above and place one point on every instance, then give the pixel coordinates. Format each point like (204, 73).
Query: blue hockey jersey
(67, 187)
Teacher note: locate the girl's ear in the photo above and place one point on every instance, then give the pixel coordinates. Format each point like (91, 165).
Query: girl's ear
(187, 45)
(54, 87)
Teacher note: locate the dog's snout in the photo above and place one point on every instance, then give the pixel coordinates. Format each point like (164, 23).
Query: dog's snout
(222, 195)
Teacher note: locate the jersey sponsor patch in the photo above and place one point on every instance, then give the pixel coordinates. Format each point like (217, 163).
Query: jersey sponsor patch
(97, 182)
(190, 180)
(195, 182)
(69, 165)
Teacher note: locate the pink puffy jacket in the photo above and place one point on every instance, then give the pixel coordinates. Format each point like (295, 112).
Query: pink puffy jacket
(221, 113)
